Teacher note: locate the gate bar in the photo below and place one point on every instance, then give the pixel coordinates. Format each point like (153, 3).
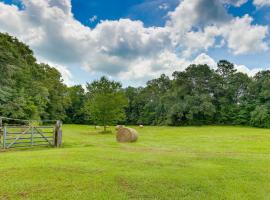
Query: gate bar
(17, 138)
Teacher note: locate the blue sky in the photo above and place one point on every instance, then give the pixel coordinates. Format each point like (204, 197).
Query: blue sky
(146, 11)
(136, 40)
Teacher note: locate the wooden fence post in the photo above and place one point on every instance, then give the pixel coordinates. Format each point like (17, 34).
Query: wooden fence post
(1, 129)
(32, 136)
(58, 134)
(4, 137)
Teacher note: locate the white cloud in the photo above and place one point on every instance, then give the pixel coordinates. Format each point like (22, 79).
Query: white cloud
(246, 70)
(163, 6)
(66, 74)
(93, 19)
(126, 49)
(200, 40)
(209, 20)
(242, 37)
(204, 59)
(127, 38)
(236, 3)
(261, 3)
(196, 13)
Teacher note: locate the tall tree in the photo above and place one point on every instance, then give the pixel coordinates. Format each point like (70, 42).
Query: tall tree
(106, 102)
(27, 89)
(75, 110)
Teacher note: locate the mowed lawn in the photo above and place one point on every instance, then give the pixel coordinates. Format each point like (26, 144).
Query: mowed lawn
(166, 163)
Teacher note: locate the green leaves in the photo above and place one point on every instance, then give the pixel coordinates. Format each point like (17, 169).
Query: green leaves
(200, 95)
(28, 90)
(106, 102)
(260, 117)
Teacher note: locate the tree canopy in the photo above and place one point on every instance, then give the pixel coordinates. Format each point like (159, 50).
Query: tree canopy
(28, 90)
(105, 102)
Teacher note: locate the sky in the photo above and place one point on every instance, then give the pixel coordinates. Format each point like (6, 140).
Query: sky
(133, 41)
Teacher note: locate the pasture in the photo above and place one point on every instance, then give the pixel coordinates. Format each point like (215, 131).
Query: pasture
(207, 162)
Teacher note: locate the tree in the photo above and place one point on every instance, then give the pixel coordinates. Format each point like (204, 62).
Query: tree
(191, 100)
(224, 92)
(154, 111)
(106, 102)
(260, 117)
(75, 110)
(136, 102)
(28, 90)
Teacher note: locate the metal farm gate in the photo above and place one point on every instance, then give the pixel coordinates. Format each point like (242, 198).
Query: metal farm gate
(15, 136)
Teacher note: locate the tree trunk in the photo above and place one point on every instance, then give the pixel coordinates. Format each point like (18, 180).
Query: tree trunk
(104, 124)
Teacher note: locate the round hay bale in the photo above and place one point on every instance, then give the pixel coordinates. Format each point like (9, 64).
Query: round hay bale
(141, 126)
(126, 135)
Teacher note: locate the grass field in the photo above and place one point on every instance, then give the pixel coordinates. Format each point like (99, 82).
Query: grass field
(166, 163)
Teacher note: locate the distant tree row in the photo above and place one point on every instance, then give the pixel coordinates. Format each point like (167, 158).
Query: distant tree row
(200, 95)
(197, 96)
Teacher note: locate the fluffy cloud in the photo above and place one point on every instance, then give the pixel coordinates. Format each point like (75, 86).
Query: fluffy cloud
(195, 41)
(190, 13)
(239, 3)
(211, 20)
(195, 13)
(124, 48)
(204, 59)
(261, 2)
(126, 38)
(66, 74)
(246, 70)
(236, 3)
(242, 37)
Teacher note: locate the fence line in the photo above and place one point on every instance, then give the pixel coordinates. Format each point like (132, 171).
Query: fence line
(24, 120)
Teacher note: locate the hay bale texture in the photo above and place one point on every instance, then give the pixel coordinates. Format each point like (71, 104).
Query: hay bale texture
(126, 135)
(119, 126)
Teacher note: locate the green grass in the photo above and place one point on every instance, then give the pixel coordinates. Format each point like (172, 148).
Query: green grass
(166, 163)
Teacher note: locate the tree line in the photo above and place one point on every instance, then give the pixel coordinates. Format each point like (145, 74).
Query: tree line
(197, 96)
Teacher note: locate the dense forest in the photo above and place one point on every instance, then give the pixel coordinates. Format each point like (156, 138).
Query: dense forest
(197, 96)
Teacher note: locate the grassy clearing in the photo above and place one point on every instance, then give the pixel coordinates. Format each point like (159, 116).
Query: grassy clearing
(166, 163)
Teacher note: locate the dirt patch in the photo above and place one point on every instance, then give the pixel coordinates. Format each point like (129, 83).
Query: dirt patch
(70, 169)
(125, 186)
(5, 197)
(23, 194)
(131, 191)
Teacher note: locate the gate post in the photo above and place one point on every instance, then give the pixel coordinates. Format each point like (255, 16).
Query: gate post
(1, 131)
(4, 137)
(58, 134)
(32, 134)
